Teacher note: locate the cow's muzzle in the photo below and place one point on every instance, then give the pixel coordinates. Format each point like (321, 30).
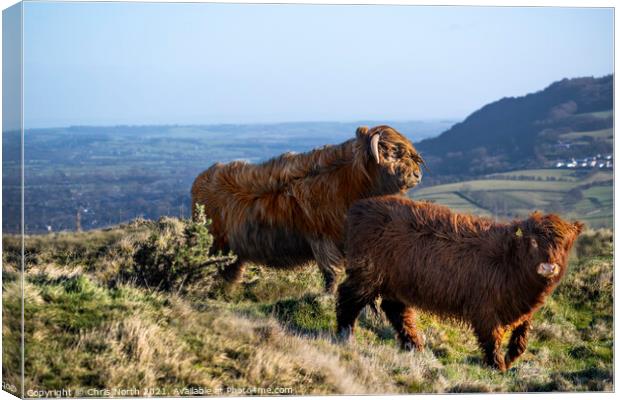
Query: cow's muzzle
(548, 270)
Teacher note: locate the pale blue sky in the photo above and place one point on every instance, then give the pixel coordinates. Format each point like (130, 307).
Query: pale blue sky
(151, 63)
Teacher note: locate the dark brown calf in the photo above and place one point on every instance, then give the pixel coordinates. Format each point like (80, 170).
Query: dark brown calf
(493, 276)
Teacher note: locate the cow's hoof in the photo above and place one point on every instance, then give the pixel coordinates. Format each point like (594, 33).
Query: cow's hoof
(345, 334)
(330, 289)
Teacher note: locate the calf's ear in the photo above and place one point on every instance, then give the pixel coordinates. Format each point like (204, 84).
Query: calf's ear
(512, 244)
(537, 215)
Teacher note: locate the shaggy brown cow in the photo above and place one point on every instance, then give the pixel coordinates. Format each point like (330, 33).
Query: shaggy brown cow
(290, 210)
(491, 275)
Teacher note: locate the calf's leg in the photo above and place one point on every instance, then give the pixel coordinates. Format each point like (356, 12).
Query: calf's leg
(490, 341)
(329, 260)
(402, 319)
(518, 342)
(349, 304)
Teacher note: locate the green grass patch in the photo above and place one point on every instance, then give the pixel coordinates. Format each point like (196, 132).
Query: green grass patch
(572, 194)
(607, 134)
(601, 114)
(535, 174)
(310, 314)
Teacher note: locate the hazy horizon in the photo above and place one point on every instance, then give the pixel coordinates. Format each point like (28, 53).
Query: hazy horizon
(172, 124)
(140, 64)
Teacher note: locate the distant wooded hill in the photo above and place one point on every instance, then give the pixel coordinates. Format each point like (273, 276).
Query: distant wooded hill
(569, 118)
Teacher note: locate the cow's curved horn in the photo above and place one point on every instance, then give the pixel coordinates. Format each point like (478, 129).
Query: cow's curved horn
(374, 146)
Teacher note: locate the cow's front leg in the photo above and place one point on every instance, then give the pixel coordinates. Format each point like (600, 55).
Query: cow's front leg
(330, 261)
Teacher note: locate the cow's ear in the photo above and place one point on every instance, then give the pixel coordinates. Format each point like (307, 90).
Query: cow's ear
(361, 132)
(371, 139)
(579, 227)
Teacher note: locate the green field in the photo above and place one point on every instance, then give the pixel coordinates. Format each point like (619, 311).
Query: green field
(585, 137)
(562, 174)
(600, 114)
(607, 134)
(573, 194)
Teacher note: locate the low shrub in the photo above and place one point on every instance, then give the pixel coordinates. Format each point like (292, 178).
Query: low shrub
(172, 254)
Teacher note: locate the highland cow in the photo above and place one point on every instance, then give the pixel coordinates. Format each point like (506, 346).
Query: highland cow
(493, 276)
(291, 209)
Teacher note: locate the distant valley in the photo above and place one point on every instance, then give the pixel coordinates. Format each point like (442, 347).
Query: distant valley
(510, 157)
(113, 174)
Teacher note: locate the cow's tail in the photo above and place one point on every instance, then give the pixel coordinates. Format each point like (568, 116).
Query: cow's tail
(373, 306)
(200, 189)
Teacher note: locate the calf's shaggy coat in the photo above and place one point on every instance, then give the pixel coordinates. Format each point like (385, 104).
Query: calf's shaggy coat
(420, 255)
(290, 210)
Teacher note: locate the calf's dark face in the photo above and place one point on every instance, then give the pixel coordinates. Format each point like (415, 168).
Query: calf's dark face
(548, 243)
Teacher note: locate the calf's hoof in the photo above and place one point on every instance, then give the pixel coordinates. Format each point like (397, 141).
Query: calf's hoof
(410, 345)
(498, 365)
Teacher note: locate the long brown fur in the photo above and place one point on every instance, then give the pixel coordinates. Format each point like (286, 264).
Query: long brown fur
(290, 210)
(421, 255)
